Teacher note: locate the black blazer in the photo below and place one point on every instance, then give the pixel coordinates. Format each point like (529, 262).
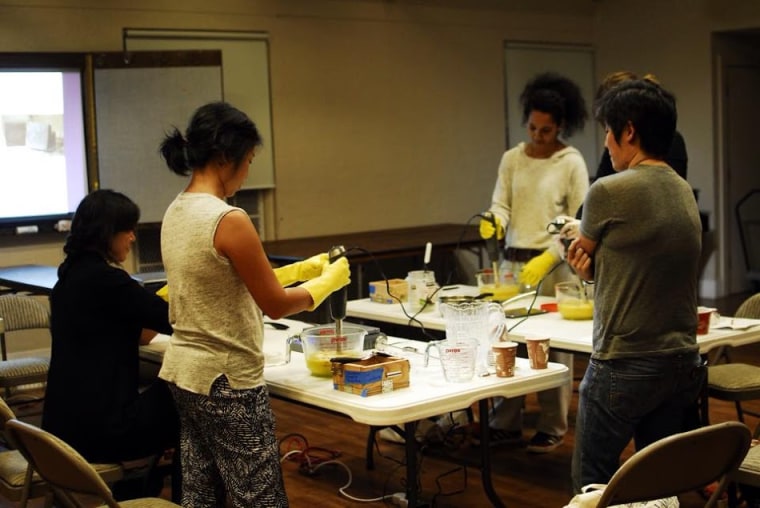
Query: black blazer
(97, 314)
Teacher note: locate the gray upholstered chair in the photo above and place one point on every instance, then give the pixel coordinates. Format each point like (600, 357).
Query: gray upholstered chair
(680, 463)
(735, 382)
(21, 312)
(66, 472)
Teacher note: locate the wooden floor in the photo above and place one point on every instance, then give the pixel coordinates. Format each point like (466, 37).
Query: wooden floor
(520, 479)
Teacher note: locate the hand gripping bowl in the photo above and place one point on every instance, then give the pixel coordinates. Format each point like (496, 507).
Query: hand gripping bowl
(320, 343)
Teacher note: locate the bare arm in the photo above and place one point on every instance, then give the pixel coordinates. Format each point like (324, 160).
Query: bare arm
(580, 256)
(237, 240)
(146, 336)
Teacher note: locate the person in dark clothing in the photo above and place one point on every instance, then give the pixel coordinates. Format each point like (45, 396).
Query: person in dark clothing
(99, 317)
(676, 156)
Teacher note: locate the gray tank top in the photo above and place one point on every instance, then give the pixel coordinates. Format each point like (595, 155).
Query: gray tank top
(218, 327)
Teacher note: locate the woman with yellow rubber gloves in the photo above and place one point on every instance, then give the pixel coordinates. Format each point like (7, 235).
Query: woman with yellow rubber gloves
(220, 285)
(537, 181)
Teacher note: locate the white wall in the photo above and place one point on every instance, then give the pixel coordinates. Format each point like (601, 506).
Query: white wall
(385, 114)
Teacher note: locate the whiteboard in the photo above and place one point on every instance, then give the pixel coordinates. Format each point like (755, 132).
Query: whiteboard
(245, 58)
(137, 101)
(523, 61)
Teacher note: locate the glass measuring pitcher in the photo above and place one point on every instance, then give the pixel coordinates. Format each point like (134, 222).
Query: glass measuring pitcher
(481, 320)
(321, 343)
(457, 358)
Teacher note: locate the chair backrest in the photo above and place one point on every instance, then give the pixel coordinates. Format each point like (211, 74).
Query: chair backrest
(6, 413)
(62, 467)
(21, 312)
(750, 308)
(680, 463)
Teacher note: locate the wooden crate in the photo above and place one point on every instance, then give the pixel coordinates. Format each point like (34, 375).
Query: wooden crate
(378, 291)
(379, 373)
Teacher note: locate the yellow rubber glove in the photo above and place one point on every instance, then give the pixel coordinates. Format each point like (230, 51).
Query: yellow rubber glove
(163, 292)
(334, 276)
(302, 270)
(487, 230)
(537, 268)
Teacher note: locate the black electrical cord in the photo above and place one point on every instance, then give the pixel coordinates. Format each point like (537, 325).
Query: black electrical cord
(535, 297)
(439, 486)
(412, 318)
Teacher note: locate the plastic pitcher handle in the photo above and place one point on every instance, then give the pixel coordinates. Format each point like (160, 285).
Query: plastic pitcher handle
(497, 321)
(427, 350)
(294, 339)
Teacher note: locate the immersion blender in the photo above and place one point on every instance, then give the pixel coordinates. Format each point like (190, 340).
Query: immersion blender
(492, 246)
(339, 298)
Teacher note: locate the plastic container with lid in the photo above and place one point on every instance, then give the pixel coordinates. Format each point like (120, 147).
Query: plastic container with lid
(422, 291)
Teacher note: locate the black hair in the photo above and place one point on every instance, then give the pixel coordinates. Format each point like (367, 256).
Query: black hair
(649, 108)
(217, 131)
(99, 216)
(557, 96)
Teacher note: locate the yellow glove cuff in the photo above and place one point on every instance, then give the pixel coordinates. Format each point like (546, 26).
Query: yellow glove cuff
(537, 268)
(301, 270)
(163, 292)
(287, 275)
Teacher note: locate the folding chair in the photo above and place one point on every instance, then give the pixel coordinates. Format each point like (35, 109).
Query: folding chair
(680, 463)
(735, 382)
(21, 312)
(67, 473)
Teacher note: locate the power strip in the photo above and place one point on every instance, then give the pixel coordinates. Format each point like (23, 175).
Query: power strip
(399, 499)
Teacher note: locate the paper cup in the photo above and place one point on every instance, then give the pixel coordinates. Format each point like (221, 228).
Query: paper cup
(538, 352)
(705, 315)
(504, 354)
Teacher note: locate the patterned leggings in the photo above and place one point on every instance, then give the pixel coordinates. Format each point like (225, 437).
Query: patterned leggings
(229, 449)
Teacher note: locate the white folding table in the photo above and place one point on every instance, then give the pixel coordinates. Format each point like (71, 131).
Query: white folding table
(428, 394)
(572, 336)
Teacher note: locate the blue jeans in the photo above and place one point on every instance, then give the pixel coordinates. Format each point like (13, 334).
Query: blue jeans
(646, 399)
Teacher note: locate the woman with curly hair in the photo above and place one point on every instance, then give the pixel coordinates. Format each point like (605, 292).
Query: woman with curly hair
(537, 181)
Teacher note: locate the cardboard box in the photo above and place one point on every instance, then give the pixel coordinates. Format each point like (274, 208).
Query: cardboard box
(379, 373)
(378, 291)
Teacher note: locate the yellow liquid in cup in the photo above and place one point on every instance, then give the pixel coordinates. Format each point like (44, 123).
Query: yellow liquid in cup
(501, 292)
(576, 309)
(319, 364)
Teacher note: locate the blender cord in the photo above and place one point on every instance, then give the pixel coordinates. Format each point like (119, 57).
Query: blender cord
(312, 458)
(413, 317)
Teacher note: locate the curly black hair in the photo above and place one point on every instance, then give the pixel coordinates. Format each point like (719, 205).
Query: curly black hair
(558, 96)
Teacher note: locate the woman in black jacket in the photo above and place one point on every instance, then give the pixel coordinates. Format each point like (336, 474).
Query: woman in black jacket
(99, 317)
